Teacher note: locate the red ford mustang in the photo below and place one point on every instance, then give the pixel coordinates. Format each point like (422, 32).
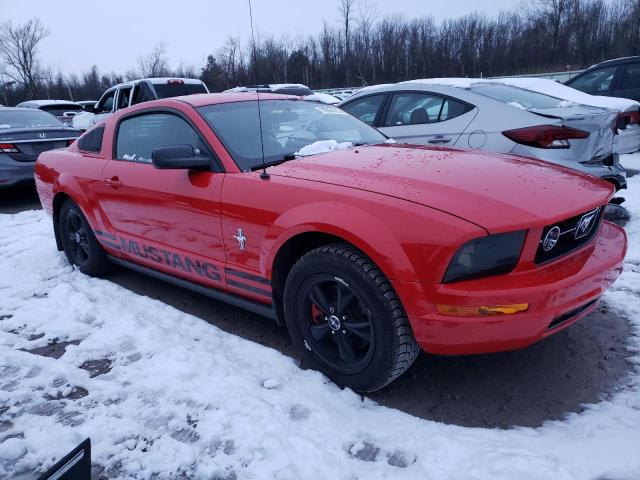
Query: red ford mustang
(366, 250)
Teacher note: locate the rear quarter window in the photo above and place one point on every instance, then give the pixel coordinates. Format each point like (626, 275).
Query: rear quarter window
(92, 140)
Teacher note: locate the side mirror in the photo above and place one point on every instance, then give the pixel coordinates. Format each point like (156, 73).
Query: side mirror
(178, 157)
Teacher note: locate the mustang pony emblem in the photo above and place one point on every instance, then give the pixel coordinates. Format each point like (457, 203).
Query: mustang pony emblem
(241, 238)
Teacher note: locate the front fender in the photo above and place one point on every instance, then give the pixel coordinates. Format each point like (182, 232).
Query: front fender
(353, 224)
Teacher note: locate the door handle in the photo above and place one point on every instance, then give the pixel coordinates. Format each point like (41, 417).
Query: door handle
(113, 182)
(439, 139)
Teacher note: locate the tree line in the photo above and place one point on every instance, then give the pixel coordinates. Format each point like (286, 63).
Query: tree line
(363, 48)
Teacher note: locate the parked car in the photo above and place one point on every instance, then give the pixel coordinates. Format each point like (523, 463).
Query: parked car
(87, 105)
(627, 139)
(24, 134)
(495, 117)
(366, 250)
(130, 93)
(63, 110)
(619, 77)
(296, 89)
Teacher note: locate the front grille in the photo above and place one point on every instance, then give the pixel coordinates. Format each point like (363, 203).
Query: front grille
(565, 317)
(569, 235)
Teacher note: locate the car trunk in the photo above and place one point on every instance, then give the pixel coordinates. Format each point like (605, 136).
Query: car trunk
(599, 122)
(31, 142)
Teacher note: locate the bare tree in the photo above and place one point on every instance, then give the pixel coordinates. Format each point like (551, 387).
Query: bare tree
(18, 50)
(154, 63)
(346, 8)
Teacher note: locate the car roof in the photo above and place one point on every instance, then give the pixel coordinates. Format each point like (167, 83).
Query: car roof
(45, 103)
(203, 99)
(156, 81)
(616, 61)
(452, 90)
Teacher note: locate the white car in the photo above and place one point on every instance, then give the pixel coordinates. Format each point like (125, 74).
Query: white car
(492, 116)
(297, 89)
(63, 110)
(628, 125)
(126, 94)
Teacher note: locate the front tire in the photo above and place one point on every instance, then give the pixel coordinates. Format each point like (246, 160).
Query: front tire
(345, 318)
(80, 244)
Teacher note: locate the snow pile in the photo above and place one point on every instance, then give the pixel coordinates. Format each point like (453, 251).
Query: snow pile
(163, 394)
(558, 90)
(322, 146)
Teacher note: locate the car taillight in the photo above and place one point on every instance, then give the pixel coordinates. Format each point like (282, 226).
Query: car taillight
(70, 142)
(545, 136)
(8, 148)
(174, 80)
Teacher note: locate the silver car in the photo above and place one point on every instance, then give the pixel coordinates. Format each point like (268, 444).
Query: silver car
(24, 134)
(494, 117)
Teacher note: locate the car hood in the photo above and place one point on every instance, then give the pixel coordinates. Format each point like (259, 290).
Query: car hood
(497, 192)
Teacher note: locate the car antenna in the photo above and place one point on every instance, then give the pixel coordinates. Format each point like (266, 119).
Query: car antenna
(264, 175)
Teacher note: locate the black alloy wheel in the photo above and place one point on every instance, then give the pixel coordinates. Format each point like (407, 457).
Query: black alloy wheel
(346, 320)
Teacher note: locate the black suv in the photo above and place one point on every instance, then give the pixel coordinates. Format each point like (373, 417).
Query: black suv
(613, 78)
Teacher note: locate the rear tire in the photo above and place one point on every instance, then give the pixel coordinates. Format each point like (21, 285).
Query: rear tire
(80, 244)
(346, 319)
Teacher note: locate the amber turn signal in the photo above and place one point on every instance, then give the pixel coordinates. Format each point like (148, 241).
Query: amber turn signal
(483, 310)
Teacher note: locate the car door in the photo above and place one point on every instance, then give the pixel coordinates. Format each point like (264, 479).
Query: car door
(598, 81)
(166, 219)
(628, 82)
(426, 118)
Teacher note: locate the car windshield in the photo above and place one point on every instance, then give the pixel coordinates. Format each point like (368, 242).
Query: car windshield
(28, 119)
(518, 97)
(287, 127)
(167, 90)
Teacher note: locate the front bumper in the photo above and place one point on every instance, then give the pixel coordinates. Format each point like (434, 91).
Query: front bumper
(13, 173)
(559, 293)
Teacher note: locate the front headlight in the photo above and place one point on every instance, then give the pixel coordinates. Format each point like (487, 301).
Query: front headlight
(486, 256)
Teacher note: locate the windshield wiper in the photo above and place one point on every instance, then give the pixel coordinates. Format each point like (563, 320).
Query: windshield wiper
(286, 158)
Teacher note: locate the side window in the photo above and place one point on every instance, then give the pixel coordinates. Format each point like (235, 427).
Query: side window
(105, 105)
(138, 136)
(91, 141)
(414, 109)
(452, 109)
(366, 108)
(595, 81)
(630, 76)
(141, 93)
(123, 98)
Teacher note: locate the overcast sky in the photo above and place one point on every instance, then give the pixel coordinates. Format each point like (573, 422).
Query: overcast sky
(113, 34)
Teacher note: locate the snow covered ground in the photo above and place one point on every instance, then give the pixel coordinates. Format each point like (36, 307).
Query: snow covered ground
(163, 394)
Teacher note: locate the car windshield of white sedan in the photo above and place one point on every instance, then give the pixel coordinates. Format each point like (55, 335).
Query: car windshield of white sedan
(27, 119)
(288, 126)
(518, 97)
